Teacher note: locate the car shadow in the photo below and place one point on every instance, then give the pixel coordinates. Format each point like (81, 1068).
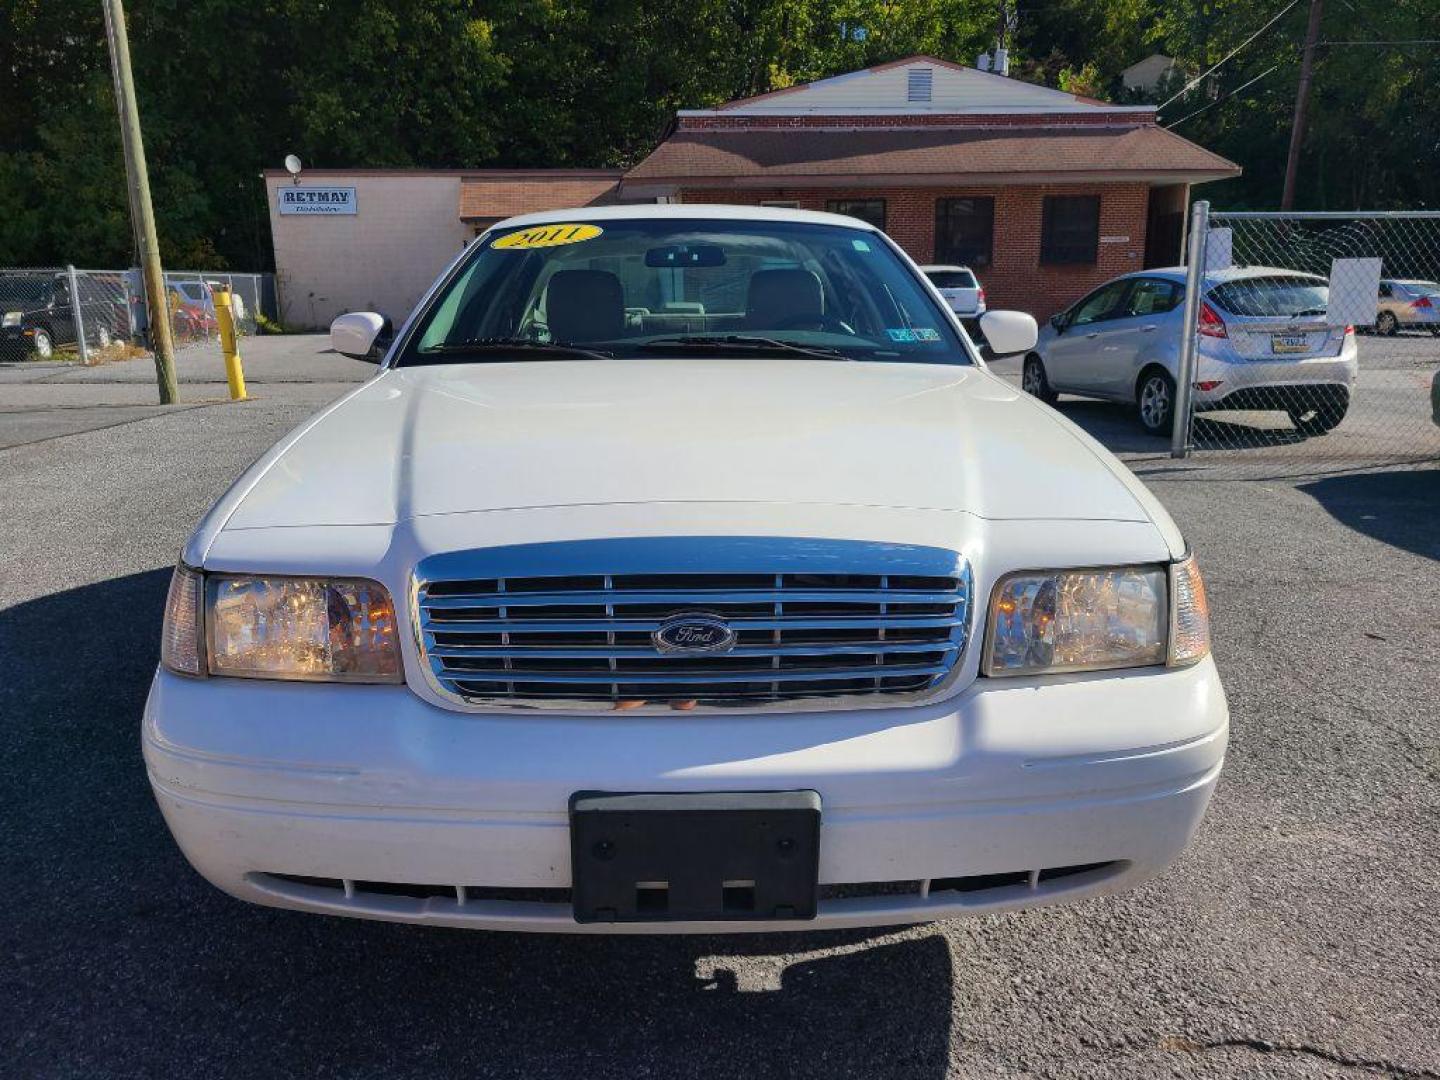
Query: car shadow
(124, 962)
(1400, 508)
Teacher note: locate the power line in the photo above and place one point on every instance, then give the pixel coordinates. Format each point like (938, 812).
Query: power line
(1219, 101)
(1228, 56)
(1406, 41)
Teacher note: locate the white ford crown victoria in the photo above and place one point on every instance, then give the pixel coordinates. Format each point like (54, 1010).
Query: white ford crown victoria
(683, 569)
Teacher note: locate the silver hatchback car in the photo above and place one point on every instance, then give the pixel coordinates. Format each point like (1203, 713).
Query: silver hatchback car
(1265, 344)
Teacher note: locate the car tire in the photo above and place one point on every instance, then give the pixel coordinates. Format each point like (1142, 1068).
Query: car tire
(102, 337)
(1319, 420)
(1155, 401)
(1034, 381)
(43, 346)
(1387, 324)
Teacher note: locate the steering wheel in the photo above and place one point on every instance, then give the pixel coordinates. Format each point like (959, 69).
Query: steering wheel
(815, 320)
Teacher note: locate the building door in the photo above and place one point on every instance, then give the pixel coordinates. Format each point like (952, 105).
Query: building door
(1165, 226)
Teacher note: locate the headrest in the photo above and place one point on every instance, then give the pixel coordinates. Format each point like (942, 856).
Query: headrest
(584, 305)
(778, 296)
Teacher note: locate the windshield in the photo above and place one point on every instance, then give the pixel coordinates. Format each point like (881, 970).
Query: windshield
(1269, 296)
(26, 290)
(952, 279)
(655, 286)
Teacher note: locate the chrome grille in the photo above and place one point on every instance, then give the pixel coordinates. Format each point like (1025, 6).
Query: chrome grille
(571, 623)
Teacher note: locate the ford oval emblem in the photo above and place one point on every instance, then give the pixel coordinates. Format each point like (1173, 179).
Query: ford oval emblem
(695, 632)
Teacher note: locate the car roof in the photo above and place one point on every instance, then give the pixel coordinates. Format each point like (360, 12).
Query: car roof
(1229, 273)
(707, 211)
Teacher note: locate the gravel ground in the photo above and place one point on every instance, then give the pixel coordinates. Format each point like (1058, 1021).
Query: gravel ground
(1299, 937)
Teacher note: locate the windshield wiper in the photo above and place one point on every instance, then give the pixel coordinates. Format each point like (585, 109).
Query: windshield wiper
(1308, 312)
(723, 342)
(498, 346)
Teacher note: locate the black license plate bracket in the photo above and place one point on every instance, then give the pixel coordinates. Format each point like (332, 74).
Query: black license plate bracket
(695, 857)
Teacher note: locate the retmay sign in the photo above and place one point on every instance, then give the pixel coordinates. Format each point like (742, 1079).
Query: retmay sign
(317, 200)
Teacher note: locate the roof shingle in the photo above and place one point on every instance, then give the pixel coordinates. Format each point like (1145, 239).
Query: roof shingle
(800, 154)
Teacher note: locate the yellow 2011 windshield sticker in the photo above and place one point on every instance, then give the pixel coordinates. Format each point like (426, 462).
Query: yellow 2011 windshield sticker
(543, 236)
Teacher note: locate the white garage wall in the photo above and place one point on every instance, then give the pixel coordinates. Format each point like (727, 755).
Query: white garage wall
(405, 230)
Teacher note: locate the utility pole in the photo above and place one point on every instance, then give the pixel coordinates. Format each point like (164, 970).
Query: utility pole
(138, 183)
(1302, 101)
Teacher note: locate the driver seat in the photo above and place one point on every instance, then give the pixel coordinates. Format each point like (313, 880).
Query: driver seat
(776, 297)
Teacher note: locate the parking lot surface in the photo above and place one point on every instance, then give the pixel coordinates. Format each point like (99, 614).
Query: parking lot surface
(1298, 937)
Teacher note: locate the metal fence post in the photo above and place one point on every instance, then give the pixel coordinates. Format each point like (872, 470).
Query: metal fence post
(75, 314)
(1194, 286)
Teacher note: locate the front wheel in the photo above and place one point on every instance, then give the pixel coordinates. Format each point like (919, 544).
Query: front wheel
(102, 336)
(44, 348)
(1155, 402)
(1035, 383)
(1387, 324)
(1319, 419)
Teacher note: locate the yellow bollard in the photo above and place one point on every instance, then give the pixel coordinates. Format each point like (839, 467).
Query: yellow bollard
(234, 373)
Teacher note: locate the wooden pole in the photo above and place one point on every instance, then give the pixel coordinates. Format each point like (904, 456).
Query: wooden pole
(1302, 100)
(138, 183)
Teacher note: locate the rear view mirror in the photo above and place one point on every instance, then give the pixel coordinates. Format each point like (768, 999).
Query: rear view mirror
(678, 255)
(1009, 332)
(361, 335)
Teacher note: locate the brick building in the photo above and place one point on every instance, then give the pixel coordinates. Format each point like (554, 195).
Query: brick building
(1044, 194)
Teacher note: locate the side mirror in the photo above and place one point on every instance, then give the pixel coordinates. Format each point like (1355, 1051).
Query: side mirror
(1009, 332)
(361, 335)
(1058, 322)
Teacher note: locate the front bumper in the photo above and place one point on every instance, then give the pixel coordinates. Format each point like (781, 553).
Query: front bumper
(362, 787)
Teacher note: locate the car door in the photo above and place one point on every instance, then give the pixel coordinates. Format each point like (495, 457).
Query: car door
(1075, 361)
(1139, 332)
(61, 315)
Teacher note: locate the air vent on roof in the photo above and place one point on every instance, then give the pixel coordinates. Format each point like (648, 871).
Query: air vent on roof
(918, 89)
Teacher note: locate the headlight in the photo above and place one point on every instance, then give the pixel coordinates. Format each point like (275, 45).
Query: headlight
(1078, 620)
(12, 318)
(317, 629)
(1048, 622)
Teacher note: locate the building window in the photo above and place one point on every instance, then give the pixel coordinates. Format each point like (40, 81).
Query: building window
(871, 210)
(1070, 229)
(964, 231)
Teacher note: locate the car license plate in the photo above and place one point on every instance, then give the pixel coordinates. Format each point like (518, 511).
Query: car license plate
(1289, 343)
(706, 856)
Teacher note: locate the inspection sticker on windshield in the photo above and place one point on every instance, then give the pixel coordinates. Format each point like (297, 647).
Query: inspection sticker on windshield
(925, 333)
(543, 236)
(900, 335)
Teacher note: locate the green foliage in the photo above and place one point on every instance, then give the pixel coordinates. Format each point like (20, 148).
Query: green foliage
(229, 86)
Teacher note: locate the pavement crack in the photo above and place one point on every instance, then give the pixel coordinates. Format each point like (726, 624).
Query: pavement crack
(1320, 1053)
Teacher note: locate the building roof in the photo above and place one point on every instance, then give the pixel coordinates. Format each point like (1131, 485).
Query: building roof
(810, 156)
(916, 84)
(484, 196)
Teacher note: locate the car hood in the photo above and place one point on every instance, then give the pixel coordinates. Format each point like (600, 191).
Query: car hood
(476, 437)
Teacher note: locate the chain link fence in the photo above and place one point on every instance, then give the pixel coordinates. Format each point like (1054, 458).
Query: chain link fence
(95, 316)
(1312, 340)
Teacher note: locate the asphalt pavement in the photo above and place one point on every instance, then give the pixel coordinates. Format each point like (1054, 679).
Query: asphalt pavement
(1298, 937)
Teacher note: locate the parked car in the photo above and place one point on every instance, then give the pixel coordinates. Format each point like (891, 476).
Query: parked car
(567, 620)
(37, 315)
(1264, 343)
(960, 288)
(192, 310)
(1408, 304)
